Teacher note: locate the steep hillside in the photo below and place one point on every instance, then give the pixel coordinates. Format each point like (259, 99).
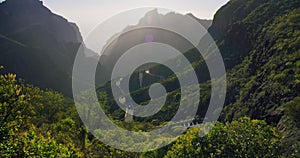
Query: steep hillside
(264, 37)
(37, 44)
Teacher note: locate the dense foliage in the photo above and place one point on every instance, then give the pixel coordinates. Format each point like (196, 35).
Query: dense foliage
(19, 137)
(241, 138)
(24, 135)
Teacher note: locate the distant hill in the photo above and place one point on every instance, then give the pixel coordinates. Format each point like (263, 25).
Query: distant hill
(204, 22)
(117, 46)
(37, 44)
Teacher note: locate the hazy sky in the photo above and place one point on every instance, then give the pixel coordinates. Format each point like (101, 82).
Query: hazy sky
(88, 13)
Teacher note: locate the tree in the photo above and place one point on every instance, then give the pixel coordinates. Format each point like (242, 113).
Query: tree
(18, 137)
(240, 138)
(13, 106)
(33, 144)
(293, 109)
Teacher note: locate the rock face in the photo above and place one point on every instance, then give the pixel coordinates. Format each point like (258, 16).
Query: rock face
(37, 45)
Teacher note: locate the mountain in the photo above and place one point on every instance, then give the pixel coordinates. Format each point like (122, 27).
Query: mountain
(262, 38)
(205, 23)
(37, 44)
(259, 41)
(134, 35)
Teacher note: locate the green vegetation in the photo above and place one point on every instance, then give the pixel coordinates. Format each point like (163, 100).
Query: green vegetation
(19, 137)
(38, 123)
(293, 110)
(241, 138)
(27, 112)
(259, 40)
(59, 132)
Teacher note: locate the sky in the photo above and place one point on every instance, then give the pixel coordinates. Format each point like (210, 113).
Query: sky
(87, 14)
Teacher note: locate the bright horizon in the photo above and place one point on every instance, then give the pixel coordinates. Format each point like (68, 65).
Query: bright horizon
(89, 13)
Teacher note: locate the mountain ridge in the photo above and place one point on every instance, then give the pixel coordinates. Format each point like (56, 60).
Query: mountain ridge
(51, 44)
